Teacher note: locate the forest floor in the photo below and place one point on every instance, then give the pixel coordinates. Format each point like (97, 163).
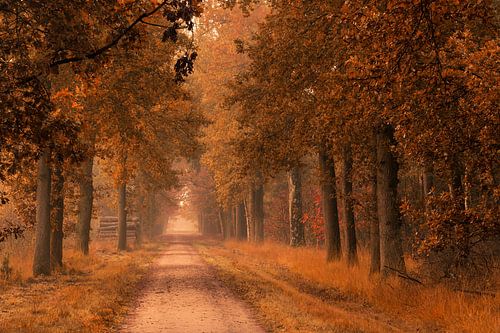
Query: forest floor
(182, 295)
(89, 294)
(295, 290)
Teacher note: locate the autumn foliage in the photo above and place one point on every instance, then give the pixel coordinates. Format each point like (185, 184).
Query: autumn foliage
(402, 96)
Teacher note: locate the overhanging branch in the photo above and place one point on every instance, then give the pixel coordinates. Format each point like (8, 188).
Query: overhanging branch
(155, 24)
(114, 42)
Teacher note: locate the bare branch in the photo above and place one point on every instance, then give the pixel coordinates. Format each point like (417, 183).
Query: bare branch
(154, 24)
(113, 43)
(404, 275)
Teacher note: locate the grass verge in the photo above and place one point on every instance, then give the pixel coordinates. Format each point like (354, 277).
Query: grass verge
(90, 294)
(294, 290)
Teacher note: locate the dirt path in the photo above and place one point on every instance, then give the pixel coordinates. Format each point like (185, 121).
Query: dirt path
(184, 296)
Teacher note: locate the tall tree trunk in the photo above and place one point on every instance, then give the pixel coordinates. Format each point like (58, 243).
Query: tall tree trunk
(234, 221)
(222, 222)
(122, 216)
(259, 212)
(56, 238)
(347, 206)
(329, 203)
(41, 260)
(249, 213)
(85, 205)
(229, 223)
(150, 215)
(374, 224)
(456, 186)
(391, 248)
(154, 215)
(241, 227)
(457, 192)
(295, 207)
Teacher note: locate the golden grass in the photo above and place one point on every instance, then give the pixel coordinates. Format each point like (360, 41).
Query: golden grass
(89, 294)
(295, 287)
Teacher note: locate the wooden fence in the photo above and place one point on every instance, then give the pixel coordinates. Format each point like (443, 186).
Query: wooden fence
(108, 227)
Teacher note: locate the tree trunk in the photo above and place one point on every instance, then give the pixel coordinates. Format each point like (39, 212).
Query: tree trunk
(229, 223)
(56, 239)
(41, 260)
(295, 207)
(122, 216)
(374, 225)
(249, 213)
(223, 223)
(85, 205)
(154, 214)
(456, 186)
(391, 249)
(259, 212)
(329, 203)
(234, 216)
(347, 206)
(457, 192)
(241, 228)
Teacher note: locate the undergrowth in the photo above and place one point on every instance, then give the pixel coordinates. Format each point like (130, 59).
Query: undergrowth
(302, 285)
(88, 294)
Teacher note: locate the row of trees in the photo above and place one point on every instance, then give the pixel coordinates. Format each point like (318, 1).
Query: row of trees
(378, 91)
(94, 80)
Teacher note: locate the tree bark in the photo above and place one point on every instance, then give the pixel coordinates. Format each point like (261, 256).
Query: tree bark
(234, 213)
(374, 224)
(458, 194)
(329, 203)
(391, 248)
(85, 205)
(259, 212)
(241, 228)
(347, 206)
(249, 213)
(122, 216)
(41, 260)
(56, 239)
(229, 223)
(223, 223)
(201, 222)
(295, 207)
(456, 186)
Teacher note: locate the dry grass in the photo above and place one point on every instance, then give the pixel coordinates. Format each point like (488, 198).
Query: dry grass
(296, 291)
(90, 294)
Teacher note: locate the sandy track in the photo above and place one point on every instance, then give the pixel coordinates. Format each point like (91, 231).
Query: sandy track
(183, 296)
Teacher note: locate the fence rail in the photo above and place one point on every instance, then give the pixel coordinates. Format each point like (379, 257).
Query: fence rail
(108, 227)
